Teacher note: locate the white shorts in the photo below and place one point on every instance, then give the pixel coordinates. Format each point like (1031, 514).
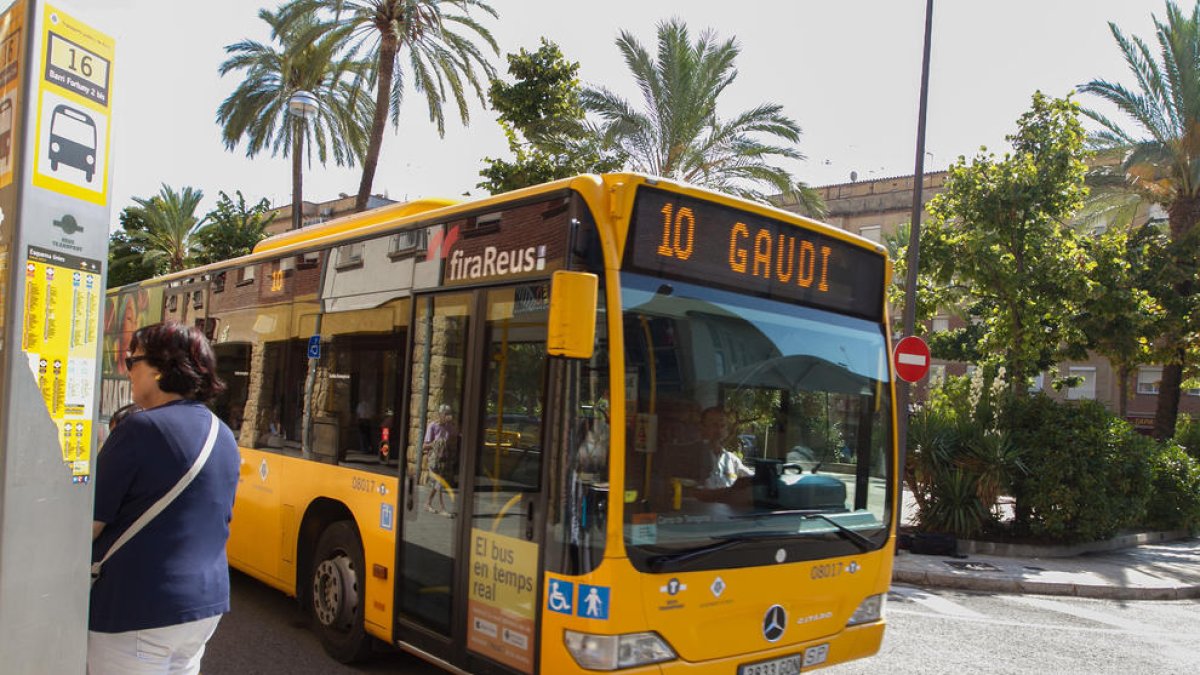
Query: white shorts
(159, 651)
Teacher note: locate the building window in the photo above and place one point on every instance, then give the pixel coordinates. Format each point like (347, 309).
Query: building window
(937, 375)
(941, 324)
(246, 275)
(307, 261)
(1148, 379)
(488, 222)
(1086, 389)
(406, 243)
(871, 232)
(350, 255)
(1037, 383)
(218, 282)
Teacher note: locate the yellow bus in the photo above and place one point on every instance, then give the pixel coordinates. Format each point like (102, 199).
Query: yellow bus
(609, 423)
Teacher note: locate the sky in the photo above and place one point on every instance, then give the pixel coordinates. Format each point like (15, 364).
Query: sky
(848, 71)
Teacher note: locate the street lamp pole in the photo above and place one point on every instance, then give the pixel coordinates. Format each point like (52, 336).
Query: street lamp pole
(302, 105)
(914, 252)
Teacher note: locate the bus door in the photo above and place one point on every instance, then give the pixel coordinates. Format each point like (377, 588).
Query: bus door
(472, 528)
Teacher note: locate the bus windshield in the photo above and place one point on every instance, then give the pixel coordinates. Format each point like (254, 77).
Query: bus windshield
(69, 125)
(753, 424)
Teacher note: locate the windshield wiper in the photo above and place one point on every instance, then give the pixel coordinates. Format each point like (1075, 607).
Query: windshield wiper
(859, 540)
(658, 562)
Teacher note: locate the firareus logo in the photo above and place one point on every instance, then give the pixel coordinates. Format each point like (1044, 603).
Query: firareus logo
(440, 242)
(492, 261)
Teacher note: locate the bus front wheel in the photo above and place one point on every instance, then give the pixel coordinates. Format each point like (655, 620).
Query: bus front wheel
(336, 587)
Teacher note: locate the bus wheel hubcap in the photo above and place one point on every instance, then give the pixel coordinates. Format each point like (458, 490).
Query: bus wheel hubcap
(335, 594)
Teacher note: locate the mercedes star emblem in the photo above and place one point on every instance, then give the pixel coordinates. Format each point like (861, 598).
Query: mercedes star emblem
(774, 623)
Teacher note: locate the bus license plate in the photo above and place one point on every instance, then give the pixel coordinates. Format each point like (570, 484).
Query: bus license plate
(788, 665)
(815, 655)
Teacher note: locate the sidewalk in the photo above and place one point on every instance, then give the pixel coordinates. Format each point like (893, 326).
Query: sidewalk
(1163, 570)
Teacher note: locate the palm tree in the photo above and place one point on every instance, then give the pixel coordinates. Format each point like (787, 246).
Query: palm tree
(441, 59)
(307, 58)
(677, 133)
(170, 223)
(1161, 162)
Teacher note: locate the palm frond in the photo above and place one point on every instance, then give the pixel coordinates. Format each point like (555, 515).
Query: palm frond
(675, 132)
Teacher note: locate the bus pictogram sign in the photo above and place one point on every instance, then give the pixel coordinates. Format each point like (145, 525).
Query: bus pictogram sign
(911, 358)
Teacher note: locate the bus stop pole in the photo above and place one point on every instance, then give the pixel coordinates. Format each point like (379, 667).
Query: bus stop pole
(55, 91)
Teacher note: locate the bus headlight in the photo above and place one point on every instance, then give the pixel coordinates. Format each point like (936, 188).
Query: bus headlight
(613, 652)
(868, 610)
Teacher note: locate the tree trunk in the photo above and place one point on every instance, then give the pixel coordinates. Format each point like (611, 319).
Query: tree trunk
(383, 94)
(1123, 375)
(1168, 400)
(297, 174)
(1182, 215)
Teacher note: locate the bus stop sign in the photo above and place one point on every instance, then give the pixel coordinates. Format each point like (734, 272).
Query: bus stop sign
(911, 358)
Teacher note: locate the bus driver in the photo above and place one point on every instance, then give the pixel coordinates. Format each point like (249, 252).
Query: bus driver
(723, 467)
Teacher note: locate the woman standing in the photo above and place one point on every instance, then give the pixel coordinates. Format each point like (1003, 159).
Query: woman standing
(159, 597)
(440, 449)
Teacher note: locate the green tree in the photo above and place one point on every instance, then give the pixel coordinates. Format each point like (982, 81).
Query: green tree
(170, 223)
(1119, 314)
(233, 229)
(677, 133)
(545, 123)
(998, 243)
(127, 261)
(1160, 162)
(434, 38)
(303, 56)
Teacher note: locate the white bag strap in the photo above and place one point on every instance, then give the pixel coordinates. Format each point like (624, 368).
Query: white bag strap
(165, 500)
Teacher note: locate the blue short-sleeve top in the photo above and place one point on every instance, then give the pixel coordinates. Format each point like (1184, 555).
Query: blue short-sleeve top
(174, 570)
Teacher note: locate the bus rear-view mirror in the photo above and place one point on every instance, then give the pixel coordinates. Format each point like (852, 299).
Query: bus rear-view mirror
(572, 329)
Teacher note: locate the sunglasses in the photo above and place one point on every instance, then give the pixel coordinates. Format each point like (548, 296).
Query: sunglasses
(130, 360)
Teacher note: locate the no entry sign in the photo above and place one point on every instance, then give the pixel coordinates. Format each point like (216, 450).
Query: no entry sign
(911, 358)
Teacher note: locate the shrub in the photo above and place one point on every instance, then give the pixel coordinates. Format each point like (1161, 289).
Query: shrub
(1175, 502)
(1088, 473)
(958, 463)
(1187, 435)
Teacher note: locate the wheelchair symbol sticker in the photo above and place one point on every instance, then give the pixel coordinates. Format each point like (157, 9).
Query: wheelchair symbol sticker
(560, 596)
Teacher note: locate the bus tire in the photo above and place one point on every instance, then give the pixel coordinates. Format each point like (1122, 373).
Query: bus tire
(336, 590)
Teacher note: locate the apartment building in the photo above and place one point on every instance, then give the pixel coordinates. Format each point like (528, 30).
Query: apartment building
(313, 213)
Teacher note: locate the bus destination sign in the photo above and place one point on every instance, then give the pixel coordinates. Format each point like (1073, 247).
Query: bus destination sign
(673, 235)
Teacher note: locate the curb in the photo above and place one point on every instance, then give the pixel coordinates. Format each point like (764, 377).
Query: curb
(997, 584)
(974, 547)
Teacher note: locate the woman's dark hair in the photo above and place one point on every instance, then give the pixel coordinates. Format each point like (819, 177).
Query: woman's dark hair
(184, 358)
